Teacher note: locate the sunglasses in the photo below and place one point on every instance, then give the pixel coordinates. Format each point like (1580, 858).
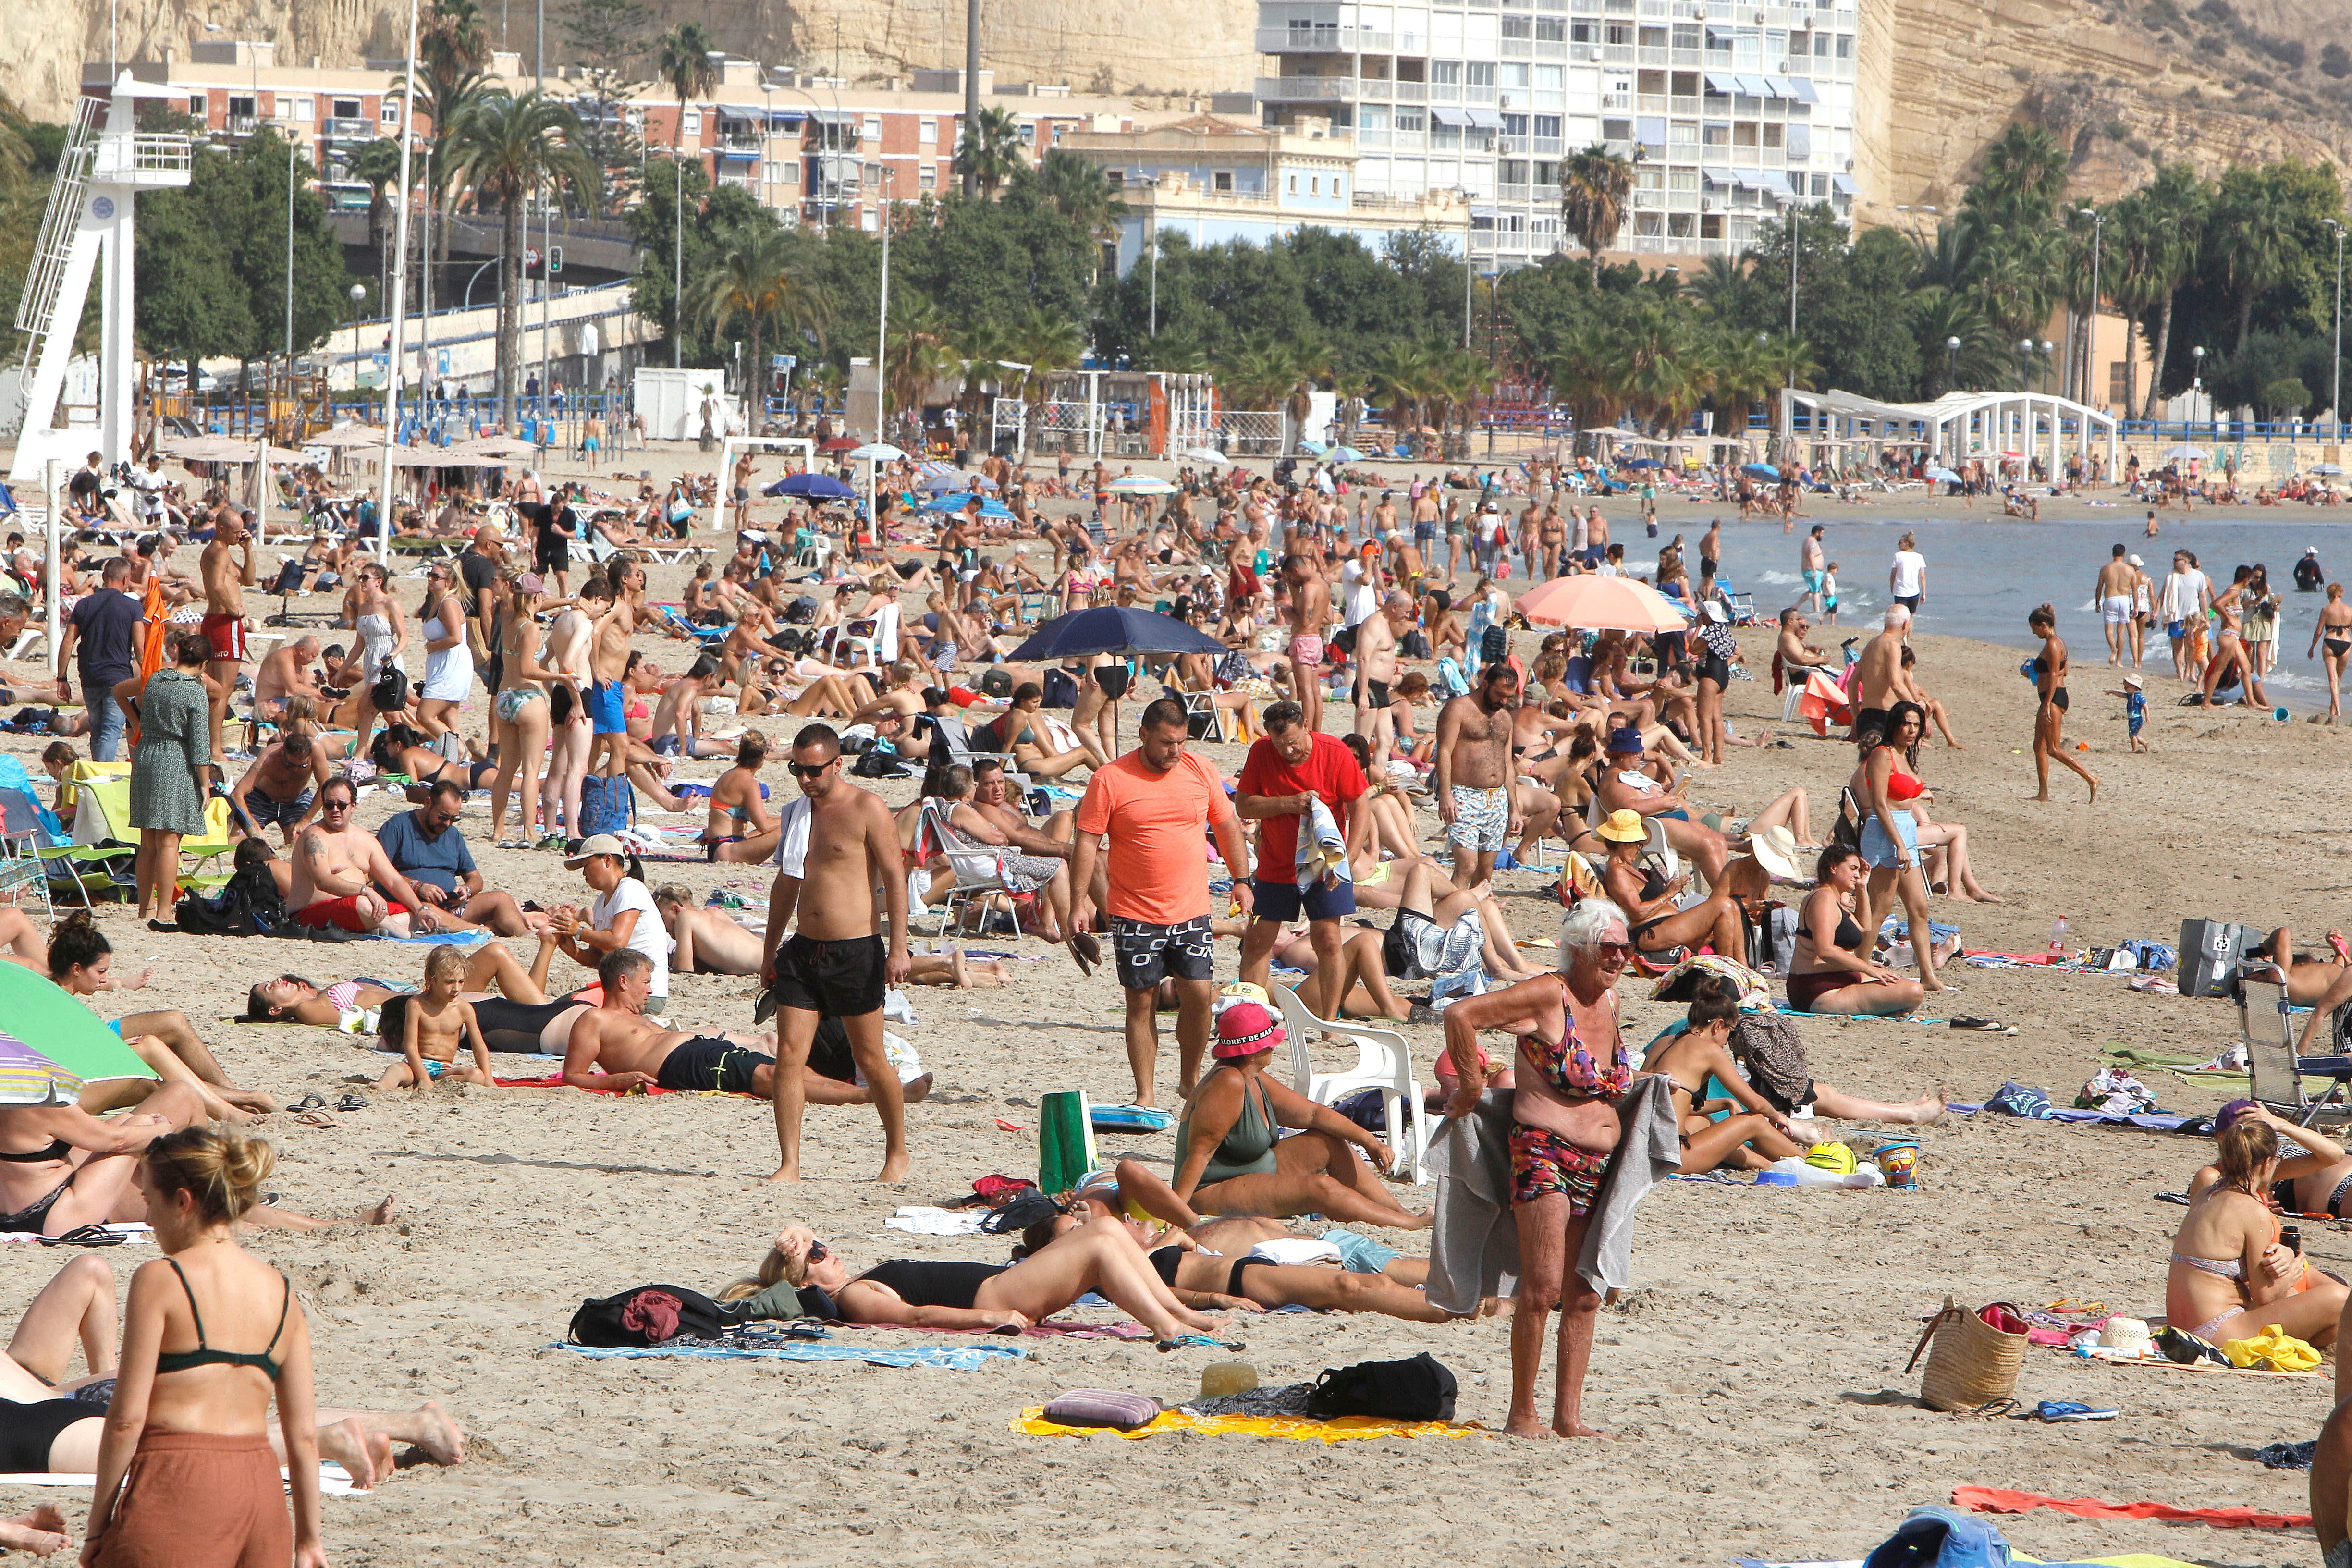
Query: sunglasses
(336, 805)
(1614, 949)
(818, 1252)
(811, 769)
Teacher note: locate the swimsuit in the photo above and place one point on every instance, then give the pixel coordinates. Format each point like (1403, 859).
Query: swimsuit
(922, 1282)
(1804, 990)
(1544, 1162)
(1248, 1146)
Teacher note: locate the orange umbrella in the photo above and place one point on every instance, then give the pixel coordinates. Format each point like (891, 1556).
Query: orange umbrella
(1602, 605)
(155, 622)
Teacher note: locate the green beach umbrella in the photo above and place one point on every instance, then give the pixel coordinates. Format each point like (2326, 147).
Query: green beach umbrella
(51, 1046)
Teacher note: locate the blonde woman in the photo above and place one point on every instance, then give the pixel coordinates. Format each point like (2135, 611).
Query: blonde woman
(519, 712)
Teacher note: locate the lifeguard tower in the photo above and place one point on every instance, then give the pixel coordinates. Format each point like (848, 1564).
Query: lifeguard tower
(106, 164)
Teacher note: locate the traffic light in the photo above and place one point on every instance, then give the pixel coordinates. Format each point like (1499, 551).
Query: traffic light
(554, 259)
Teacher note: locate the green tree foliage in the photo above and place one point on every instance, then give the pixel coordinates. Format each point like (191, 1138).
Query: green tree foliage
(608, 39)
(510, 147)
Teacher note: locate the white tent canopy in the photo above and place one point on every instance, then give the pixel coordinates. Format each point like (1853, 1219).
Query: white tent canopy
(1956, 428)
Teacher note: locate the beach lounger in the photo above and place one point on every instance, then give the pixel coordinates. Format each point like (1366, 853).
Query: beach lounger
(978, 868)
(674, 616)
(2275, 1073)
(1383, 1061)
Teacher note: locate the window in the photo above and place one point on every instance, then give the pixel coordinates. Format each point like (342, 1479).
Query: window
(301, 106)
(1339, 185)
(1511, 172)
(1547, 172)
(1415, 119)
(1717, 134)
(1771, 135)
(345, 108)
(1223, 180)
(784, 174)
(1517, 27)
(1743, 134)
(2118, 381)
(1447, 73)
(390, 111)
(196, 109)
(1550, 30)
(1583, 32)
(1686, 38)
(1314, 185)
(1547, 125)
(1682, 179)
(1445, 137)
(1682, 133)
(926, 132)
(865, 220)
(1294, 184)
(928, 177)
(1822, 46)
(1845, 45)
(241, 107)
(1028, 133)
(1619, 32)
(1514, 77)
(872, 130)
(690, 122)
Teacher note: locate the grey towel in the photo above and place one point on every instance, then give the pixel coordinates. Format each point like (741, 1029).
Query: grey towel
(1473, 1249)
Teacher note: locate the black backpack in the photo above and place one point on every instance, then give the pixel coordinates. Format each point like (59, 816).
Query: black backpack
(651, 1315)
(390, 692)
(248, 904)
(1421, 1389)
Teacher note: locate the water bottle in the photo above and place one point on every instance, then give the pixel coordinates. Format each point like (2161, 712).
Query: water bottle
(2058, 938)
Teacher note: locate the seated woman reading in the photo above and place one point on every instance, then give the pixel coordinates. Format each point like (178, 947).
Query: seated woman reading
(1652, 901)
(2230, 1278)
(1832, 969)
(929, 1293)
(1230, 1160)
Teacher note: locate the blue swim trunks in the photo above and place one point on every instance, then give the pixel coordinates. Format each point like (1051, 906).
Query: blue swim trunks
(605, 707)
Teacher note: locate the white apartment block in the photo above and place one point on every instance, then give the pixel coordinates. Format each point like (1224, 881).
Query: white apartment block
(1728, 112)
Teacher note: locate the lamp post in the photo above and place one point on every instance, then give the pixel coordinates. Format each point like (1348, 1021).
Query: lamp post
(2335, 359)
(882, 340)
(359, 293)
(2090, 346)
(1788, 217)
(2025, 365)
(1951, 363)
(1151, 234)
(1462, 193)
(396, 306)
(2196, 380)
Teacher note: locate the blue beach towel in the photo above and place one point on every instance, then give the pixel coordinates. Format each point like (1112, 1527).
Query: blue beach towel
(953, 1358)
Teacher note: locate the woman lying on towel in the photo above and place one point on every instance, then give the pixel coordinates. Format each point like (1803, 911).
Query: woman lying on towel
(1231, 1160)
(51, 1424)
(2314, 1177)
(2230, 1278)
(709, 940)
(350, 1005)
(928, 1293)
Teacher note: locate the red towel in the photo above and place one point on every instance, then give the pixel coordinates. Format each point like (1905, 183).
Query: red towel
(1995, 1500)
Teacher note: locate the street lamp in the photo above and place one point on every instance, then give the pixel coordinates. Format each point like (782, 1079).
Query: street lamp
(2336, 397)
(1951, 363)
(2098, 234)
(396, 307)
(2025, 364)
(1152, 239)
(2196, 380)
(359, 293)
(1462, 193)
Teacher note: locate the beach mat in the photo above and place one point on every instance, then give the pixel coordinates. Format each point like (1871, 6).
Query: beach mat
(1032, 1423)
(333, 1479)
(951, 1358)
(2122, 1560)
(1997, 1499)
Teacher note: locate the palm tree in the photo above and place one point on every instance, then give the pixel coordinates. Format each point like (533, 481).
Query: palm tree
(506, 146)
(2024, 175)
(378, 163)
(1082, 193)
(453, 51)
(918, 353)
(982, 348)
(1594, 186)
(1981, 360)
(2182, 201)
(992, 150)
(1400, 375)
(2251, 240)
(1045, 342)
(754, 280)
(684, 62)
(1716, 284)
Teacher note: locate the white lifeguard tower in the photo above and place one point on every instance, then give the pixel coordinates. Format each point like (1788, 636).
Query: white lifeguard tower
(106, 164)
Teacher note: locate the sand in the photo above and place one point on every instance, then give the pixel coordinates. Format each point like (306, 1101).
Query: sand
(1753, 1379)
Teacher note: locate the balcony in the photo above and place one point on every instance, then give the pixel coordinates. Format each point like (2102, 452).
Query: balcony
(1325, 41)
(1617, 54)
(348, 130)
(1518, 49)
(1411, 91)
(1546, 146)
(1550, 50)
(1306, 89)
(1520, 194)
(244, 124)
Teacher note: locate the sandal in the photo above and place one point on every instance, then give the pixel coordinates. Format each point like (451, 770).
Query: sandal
(351, 1102)
(2068, 1307)
(308, 1102)
(317, 1118)
(91, 1235)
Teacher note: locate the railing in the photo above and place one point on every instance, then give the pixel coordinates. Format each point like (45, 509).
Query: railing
(1519, 48)
(1512, 193)
(244, 124)
(1617, 54)
(1650, 54)
(1685, 106)
(1327, 40)
(1552, 50)
(344, 128)
(1548, 147)
(1306, 89)
(1410, 92)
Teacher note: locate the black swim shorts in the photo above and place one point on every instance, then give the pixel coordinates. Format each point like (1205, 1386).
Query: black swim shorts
(708, 1063)
(840, 979)
(1148, 954)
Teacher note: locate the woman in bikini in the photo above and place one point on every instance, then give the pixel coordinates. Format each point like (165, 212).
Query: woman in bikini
(80, 963)
(2314, 1177)
(1100, 1255)
(1653, 901)
(1022, 730)
(1944, 845)
(2333, 632)
(2230, 1278)
(1231, 1160)
(519, 710)
(448, 658)
(352, 1006)
(2049, 670)
(740, 828)
(1832, 969)
(1885, 788)
(1569, 1072)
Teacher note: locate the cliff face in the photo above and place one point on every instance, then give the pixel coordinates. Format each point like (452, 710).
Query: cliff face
(2123, 83)
(1126, 45)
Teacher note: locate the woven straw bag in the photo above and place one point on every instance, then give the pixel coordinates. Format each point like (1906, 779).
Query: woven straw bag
(1973, 1364)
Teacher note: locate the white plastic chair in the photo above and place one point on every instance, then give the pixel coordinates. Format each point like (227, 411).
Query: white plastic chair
(1383, 1061)
(978, 870)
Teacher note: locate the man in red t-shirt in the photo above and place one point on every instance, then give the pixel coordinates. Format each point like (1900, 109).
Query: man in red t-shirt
(1150, 805)
(1288, 770)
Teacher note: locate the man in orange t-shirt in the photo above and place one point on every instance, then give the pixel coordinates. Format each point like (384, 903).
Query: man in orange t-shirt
(1150, 806)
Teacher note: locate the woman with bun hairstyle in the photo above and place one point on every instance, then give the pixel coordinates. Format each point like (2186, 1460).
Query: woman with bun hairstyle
(210, 1336)
(2048, 669)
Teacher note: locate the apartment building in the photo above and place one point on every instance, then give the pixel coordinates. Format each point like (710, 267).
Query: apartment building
(1727, 111)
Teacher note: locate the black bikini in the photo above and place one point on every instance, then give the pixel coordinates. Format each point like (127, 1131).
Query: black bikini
(920, 1282)
(57, 1150)
(203, 1355)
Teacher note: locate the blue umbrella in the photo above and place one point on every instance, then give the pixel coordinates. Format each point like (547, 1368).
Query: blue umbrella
(1343, 455)
(1759, 470)
(1114, 628)
(953, 483)
(989, 505)
(815, 487)
(1943, 476)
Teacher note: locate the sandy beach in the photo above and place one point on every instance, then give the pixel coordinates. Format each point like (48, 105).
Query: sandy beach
(1753, 1381)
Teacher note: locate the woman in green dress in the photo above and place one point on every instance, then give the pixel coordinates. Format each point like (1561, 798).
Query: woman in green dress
(168, 777)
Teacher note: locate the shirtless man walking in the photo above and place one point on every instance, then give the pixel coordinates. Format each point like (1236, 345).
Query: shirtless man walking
(2116, 594)
(228, 570)
(1474, 762)
(1310, 611)
(835, 965)
(1376, 654)
(1879, 678)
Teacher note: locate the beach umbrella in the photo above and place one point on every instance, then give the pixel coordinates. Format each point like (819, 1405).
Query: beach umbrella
(74, 1047)
(346, 435)
(838, 444)
(1140, 485)
(1343, 455)
(1759, 470)
(1601, 604)
(878, 452)
(493, 449)
(2182, 450)
(1201, 455)
(1943, 476)
(941, 505)
(813, 487)
(1114, 628)
(955, 483)
(1312, 448)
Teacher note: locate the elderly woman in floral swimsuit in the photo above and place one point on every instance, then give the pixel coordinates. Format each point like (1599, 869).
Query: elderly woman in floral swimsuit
(1568, 1073)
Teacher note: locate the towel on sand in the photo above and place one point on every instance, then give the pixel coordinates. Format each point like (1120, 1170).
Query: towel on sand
(1032, 1423)
(1474, 1245)
(954, 1358)
(1997, 1499)
(333, 1480)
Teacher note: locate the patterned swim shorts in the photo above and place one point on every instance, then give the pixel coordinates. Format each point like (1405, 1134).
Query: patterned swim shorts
(1545, 1163)
(1482, 817)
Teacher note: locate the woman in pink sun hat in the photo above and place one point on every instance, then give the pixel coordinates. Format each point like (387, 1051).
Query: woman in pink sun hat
(1230, 1159)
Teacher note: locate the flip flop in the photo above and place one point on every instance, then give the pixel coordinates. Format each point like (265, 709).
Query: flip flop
(2068, 1307)
(2068, 1410)
(1984, 1026)
(351, 1102)
(317, 1118)
(308, 1102)
(86, 1235)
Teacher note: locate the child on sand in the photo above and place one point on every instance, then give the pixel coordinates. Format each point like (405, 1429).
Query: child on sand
(2135, 709)
(1829, 595)
(440, 1022)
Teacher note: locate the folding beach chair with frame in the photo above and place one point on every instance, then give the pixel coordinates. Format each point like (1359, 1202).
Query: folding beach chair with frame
(2274, 1072)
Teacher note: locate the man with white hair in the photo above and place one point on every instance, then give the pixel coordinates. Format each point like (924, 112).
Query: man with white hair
(1879, 678)
(1568, 1071)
